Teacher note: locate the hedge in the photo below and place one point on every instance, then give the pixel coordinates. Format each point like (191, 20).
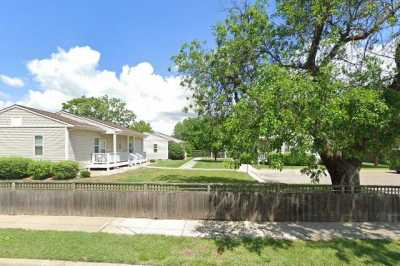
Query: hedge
(66, 170)
(18, 168)
(40, 170)
(14, 167)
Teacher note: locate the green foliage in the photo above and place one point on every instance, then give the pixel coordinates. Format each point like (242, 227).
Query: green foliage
(282, 75)
(142, 126)
(14, 167)
(84, 174)
(66, 170)
(103, 108)
(40, 170)
(175, 151)
(394, 161)
(201, 133)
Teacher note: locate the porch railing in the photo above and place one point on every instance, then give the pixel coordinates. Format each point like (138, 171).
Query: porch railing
(118, 157)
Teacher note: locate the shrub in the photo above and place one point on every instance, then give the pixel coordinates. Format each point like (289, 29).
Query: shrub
(394, 161)
(66, 170)
(41, 169)
(175, 151)
(84, 174)
(188, 148)
(14, 167)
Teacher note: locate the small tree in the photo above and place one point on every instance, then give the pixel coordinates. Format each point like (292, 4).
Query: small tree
(175, 151)
(202, 133)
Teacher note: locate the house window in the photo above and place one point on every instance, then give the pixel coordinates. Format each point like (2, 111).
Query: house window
(99, 145)
(155, 148)
(38, 145)
(131, 145)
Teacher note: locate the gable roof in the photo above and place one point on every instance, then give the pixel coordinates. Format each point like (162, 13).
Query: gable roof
(104, 123)
(165, 136)
(54, 116)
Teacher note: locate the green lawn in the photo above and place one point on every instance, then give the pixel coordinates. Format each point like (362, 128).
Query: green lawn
(212, 164)
(163, 250)
(170, 163)
(179, 176)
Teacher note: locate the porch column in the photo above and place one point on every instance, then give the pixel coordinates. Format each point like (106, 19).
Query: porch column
(114, 143)
(127, 143)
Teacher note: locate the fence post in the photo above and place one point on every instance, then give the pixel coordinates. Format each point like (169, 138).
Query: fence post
(13, 185)
(73, 186)
(145, 187)
(208, 188)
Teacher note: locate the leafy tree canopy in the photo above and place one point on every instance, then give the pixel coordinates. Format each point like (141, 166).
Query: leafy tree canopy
(310, 73)
(142, 126)
(202, 133)
(103, 108)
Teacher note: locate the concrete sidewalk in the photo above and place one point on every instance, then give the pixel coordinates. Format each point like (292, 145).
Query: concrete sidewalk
(189, 164)
(197, 228)
(27, 262)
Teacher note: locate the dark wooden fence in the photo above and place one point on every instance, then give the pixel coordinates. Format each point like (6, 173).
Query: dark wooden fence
(255, 202)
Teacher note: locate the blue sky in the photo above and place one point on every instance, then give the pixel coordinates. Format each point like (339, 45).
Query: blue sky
(123, 32)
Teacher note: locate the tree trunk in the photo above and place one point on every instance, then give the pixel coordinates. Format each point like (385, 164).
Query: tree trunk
(344, 172)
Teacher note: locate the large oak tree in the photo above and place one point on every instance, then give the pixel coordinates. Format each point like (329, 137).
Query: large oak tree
(307, 73)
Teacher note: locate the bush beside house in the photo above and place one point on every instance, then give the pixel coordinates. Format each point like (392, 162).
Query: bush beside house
(175, 151)
(40, 170)
(14, 167)
(66, 170)
(19, 168)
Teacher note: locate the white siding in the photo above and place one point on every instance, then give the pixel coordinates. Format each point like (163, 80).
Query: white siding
(138, 144)
(82, 145)
(28, 119)
(162, 144)
(20, 142)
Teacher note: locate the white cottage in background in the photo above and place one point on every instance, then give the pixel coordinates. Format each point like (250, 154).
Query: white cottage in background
(39, 134)
(156, 145)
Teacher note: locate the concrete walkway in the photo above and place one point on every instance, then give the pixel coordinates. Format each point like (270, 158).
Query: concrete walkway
(26, 262)
(197, 228)
(189, 164)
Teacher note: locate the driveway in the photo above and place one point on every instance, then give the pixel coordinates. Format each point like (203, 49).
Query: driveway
(294, 176)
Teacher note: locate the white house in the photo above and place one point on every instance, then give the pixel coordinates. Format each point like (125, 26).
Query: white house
(38, 134)
(156, 145)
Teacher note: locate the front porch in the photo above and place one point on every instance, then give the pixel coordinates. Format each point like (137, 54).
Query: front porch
(110, 160)
(125, 150)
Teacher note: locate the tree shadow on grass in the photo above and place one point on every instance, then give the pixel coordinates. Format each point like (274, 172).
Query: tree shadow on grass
(352, 242)
(201, 179)
(369, 251)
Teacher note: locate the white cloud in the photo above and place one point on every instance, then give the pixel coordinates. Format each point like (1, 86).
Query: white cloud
(12, 82)
(73, 73)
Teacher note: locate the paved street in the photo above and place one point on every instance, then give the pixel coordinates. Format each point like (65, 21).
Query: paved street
(293, 176)
(197, 228)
